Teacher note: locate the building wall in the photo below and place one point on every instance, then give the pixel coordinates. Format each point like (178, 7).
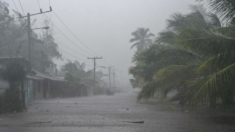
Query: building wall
(38, 89)
(30, 90)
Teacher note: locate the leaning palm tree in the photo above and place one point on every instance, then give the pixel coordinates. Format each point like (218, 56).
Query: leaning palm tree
(198, 82)
(141, 38)
(176, 66)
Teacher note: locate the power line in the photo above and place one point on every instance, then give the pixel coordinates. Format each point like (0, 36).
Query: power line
(39, 4)
(66, 36)
(69, 60)
(76, 36)
(70, 48)
(73, 55)
(15, 5)
(73, 33)
(19, 12)
(21, 7)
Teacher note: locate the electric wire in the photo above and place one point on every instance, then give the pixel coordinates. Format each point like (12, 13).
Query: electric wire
(19, 13)
(72, 32)
(73, 56)
(67, 38)
(76, 36)
(69, 60)
(21, 7)
(65, 35)
(15, 5)
(69, 48)
(39, 4)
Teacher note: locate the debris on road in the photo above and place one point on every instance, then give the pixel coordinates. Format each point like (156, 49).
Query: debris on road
(134, 122)
(40, 122)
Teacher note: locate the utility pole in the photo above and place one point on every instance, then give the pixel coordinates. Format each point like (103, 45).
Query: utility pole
(113, 79)
(121, 78)
(94, 58)
(110, 76)
(29, 35)
(122, 81)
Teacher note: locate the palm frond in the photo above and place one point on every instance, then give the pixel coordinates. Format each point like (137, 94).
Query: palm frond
(205, 42)
(149, 35)
(174, 76)
(168, 78)
(177, 57)
(168, 37)
(148, 90)
(134, 39)
(135, 44)
(213, 83)
(177, 21)
(225, 8)
(194, 19)
(205, 66)
(214, 20)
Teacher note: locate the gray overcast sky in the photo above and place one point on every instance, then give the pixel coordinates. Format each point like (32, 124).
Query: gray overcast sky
(105, 26)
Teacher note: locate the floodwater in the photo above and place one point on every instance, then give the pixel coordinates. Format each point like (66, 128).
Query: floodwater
(118, 113)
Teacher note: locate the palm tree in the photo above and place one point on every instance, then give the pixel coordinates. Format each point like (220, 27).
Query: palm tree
(141, 38)
(211, 75)
(174, 66)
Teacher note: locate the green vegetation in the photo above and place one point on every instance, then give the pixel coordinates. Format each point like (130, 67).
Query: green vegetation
(14, 40)
(14, 47)
(193, 56)
(14, 73)
(75, 73)
(141, 38)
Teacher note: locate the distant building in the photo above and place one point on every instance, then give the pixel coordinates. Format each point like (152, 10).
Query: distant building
(38, 85)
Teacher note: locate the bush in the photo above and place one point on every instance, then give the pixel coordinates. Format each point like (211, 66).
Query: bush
(10, 101)
(14, 73)
(99, 91)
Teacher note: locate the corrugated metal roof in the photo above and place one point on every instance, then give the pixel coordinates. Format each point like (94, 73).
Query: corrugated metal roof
(34, 77)
(44, 76)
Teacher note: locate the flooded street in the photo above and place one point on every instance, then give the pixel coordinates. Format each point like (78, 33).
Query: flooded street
(104, 114)
(117, 66)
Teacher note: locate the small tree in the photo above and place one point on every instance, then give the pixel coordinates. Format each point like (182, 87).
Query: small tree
(14, 73)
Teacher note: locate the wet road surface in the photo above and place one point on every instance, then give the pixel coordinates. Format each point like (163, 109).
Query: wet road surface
(105, 114)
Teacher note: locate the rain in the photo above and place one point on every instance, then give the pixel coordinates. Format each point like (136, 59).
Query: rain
(117, 65)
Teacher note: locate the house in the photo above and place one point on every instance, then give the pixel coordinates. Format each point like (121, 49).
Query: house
(46, 86)
(38, 85)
